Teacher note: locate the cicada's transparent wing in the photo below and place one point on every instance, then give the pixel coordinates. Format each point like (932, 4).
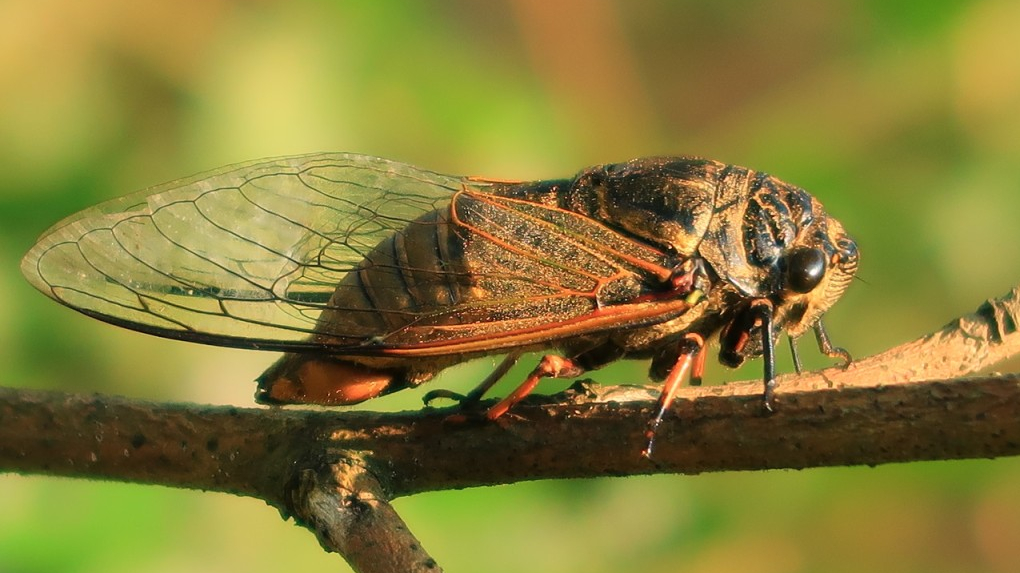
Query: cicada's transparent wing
(247, 255)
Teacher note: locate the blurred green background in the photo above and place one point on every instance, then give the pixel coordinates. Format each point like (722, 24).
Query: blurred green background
(902, 118)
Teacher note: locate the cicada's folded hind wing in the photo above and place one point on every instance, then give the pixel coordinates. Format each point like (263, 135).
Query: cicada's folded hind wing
(247, 255)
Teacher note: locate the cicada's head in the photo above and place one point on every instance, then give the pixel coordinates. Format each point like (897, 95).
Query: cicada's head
(796, 258)
(814, 274)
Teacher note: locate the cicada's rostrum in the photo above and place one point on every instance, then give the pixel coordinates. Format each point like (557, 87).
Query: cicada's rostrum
(374, 275)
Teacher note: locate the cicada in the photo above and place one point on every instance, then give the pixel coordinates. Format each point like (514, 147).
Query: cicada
(372, 275)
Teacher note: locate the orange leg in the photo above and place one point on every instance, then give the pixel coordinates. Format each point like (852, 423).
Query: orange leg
(693, 346)
(698, 369)
(551, 366)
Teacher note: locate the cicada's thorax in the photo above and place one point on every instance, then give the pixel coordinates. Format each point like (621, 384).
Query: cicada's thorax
(743, 225)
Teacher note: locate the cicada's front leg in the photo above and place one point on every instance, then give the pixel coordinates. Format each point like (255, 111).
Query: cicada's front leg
(825, 345)
(762, 311)
(735, 337)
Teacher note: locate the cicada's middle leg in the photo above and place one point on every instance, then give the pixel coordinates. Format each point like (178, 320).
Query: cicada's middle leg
(691, 359)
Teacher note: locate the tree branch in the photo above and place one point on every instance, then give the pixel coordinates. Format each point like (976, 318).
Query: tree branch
(335, 472)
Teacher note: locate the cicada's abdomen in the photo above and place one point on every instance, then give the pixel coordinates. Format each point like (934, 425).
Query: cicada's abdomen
(417, 272)
(492, 263)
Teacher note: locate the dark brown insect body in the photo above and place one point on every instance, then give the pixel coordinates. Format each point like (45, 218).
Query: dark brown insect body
(374, 275)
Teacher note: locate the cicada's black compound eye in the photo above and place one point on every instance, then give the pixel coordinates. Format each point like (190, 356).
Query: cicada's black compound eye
(805, 268)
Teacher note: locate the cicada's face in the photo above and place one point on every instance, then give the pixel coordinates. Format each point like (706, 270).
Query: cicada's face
(815, 276)
(802, 280)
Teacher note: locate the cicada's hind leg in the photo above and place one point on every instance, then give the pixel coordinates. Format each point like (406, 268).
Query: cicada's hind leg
(474, 396)
(691, 359)
(551, 366)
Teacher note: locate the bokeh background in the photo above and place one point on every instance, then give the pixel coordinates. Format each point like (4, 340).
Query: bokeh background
(903, 118)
